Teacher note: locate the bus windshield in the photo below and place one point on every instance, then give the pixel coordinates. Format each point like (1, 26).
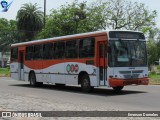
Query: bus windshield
(127, 53)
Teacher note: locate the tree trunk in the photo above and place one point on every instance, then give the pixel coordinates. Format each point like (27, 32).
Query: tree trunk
(2, 60)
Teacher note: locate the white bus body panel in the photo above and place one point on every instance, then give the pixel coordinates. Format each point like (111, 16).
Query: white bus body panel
(58, 74)
(15, 70)
(127, 72)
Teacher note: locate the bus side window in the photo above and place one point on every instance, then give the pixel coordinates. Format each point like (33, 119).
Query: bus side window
(14, 54)
(86, 48)
(59, 50)
(47, 51)
(38, 51)
(71, 49)
(29, 53)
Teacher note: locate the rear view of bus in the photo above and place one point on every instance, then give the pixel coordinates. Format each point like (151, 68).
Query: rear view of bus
(127, 60)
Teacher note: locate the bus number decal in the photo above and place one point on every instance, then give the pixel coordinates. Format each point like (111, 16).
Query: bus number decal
(76, 68)
(72, 68)
(68, 68)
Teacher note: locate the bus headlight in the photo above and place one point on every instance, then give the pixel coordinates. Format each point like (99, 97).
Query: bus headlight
(146, 75)
(118, 76)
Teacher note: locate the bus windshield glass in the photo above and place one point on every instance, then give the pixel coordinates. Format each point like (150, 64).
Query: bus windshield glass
(127, 53)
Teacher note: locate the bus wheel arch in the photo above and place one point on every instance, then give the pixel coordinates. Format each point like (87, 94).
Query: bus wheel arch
(84, 80)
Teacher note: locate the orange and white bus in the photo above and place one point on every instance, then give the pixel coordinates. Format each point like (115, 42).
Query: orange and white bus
(103, 58)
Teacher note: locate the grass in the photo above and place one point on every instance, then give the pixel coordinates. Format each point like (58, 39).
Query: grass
(4, 72)
(154, 78)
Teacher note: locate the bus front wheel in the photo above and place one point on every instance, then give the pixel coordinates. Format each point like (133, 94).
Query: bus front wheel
(118, 88)
(85, 84)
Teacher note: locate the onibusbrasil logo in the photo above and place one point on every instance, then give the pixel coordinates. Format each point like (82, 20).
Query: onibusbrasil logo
(5, 5)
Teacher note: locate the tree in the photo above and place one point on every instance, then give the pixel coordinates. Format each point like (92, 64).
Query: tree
(155, 36)
(30, 20)
(8, 36)
(123, 14)
(100, 15)
(153, 45)
(152, 52)
(71, 19)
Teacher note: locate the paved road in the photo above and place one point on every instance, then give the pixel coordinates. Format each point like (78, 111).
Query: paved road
(18, 95)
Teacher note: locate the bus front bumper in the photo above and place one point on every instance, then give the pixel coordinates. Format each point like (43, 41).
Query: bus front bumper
(114, 82)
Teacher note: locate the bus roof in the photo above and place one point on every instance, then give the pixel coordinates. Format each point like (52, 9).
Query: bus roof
(66, 37)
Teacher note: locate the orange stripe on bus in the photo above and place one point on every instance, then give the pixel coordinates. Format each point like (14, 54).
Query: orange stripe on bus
(113, 82)
(42, 64)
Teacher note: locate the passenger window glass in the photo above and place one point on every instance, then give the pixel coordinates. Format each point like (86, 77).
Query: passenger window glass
(59, 50)
(48, 51)
(29, 53)
(71, 49)
(38, 52)
(14, 54)
(86, 48)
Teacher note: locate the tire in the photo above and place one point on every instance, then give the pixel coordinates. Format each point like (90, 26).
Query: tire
(40, 84)
(32, 80)
(60, 85)
(118, 88)
(85, 84)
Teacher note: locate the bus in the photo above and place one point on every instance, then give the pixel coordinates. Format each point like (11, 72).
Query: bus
(102, 58)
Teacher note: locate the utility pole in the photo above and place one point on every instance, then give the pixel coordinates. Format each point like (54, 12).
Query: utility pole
(44, 13)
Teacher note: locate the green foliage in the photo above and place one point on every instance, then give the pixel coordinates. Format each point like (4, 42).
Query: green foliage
(3, 23)
(4, 72)
(158, 67)
(152, 52)
(7, 25)
(100, 15)
(30, 20)
(124, 14)
(73, 18)
(154, 78)
(7, 35)
(153, 45)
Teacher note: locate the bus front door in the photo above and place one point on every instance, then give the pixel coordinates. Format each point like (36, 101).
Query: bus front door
(102, 62)
(21, 65)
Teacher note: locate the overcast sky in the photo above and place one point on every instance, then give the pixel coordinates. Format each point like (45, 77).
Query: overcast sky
(11, 14)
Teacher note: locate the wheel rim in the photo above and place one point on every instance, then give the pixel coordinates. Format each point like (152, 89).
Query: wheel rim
(85, 83)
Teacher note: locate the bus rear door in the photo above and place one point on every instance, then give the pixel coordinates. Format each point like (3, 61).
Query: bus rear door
(21, 65)
(102, 62)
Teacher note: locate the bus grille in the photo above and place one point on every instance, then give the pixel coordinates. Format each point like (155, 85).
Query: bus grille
(131, 74)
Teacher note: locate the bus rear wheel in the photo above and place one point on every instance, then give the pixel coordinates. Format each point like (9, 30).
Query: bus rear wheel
(85, 84)
(118, 88)
(33, 81)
